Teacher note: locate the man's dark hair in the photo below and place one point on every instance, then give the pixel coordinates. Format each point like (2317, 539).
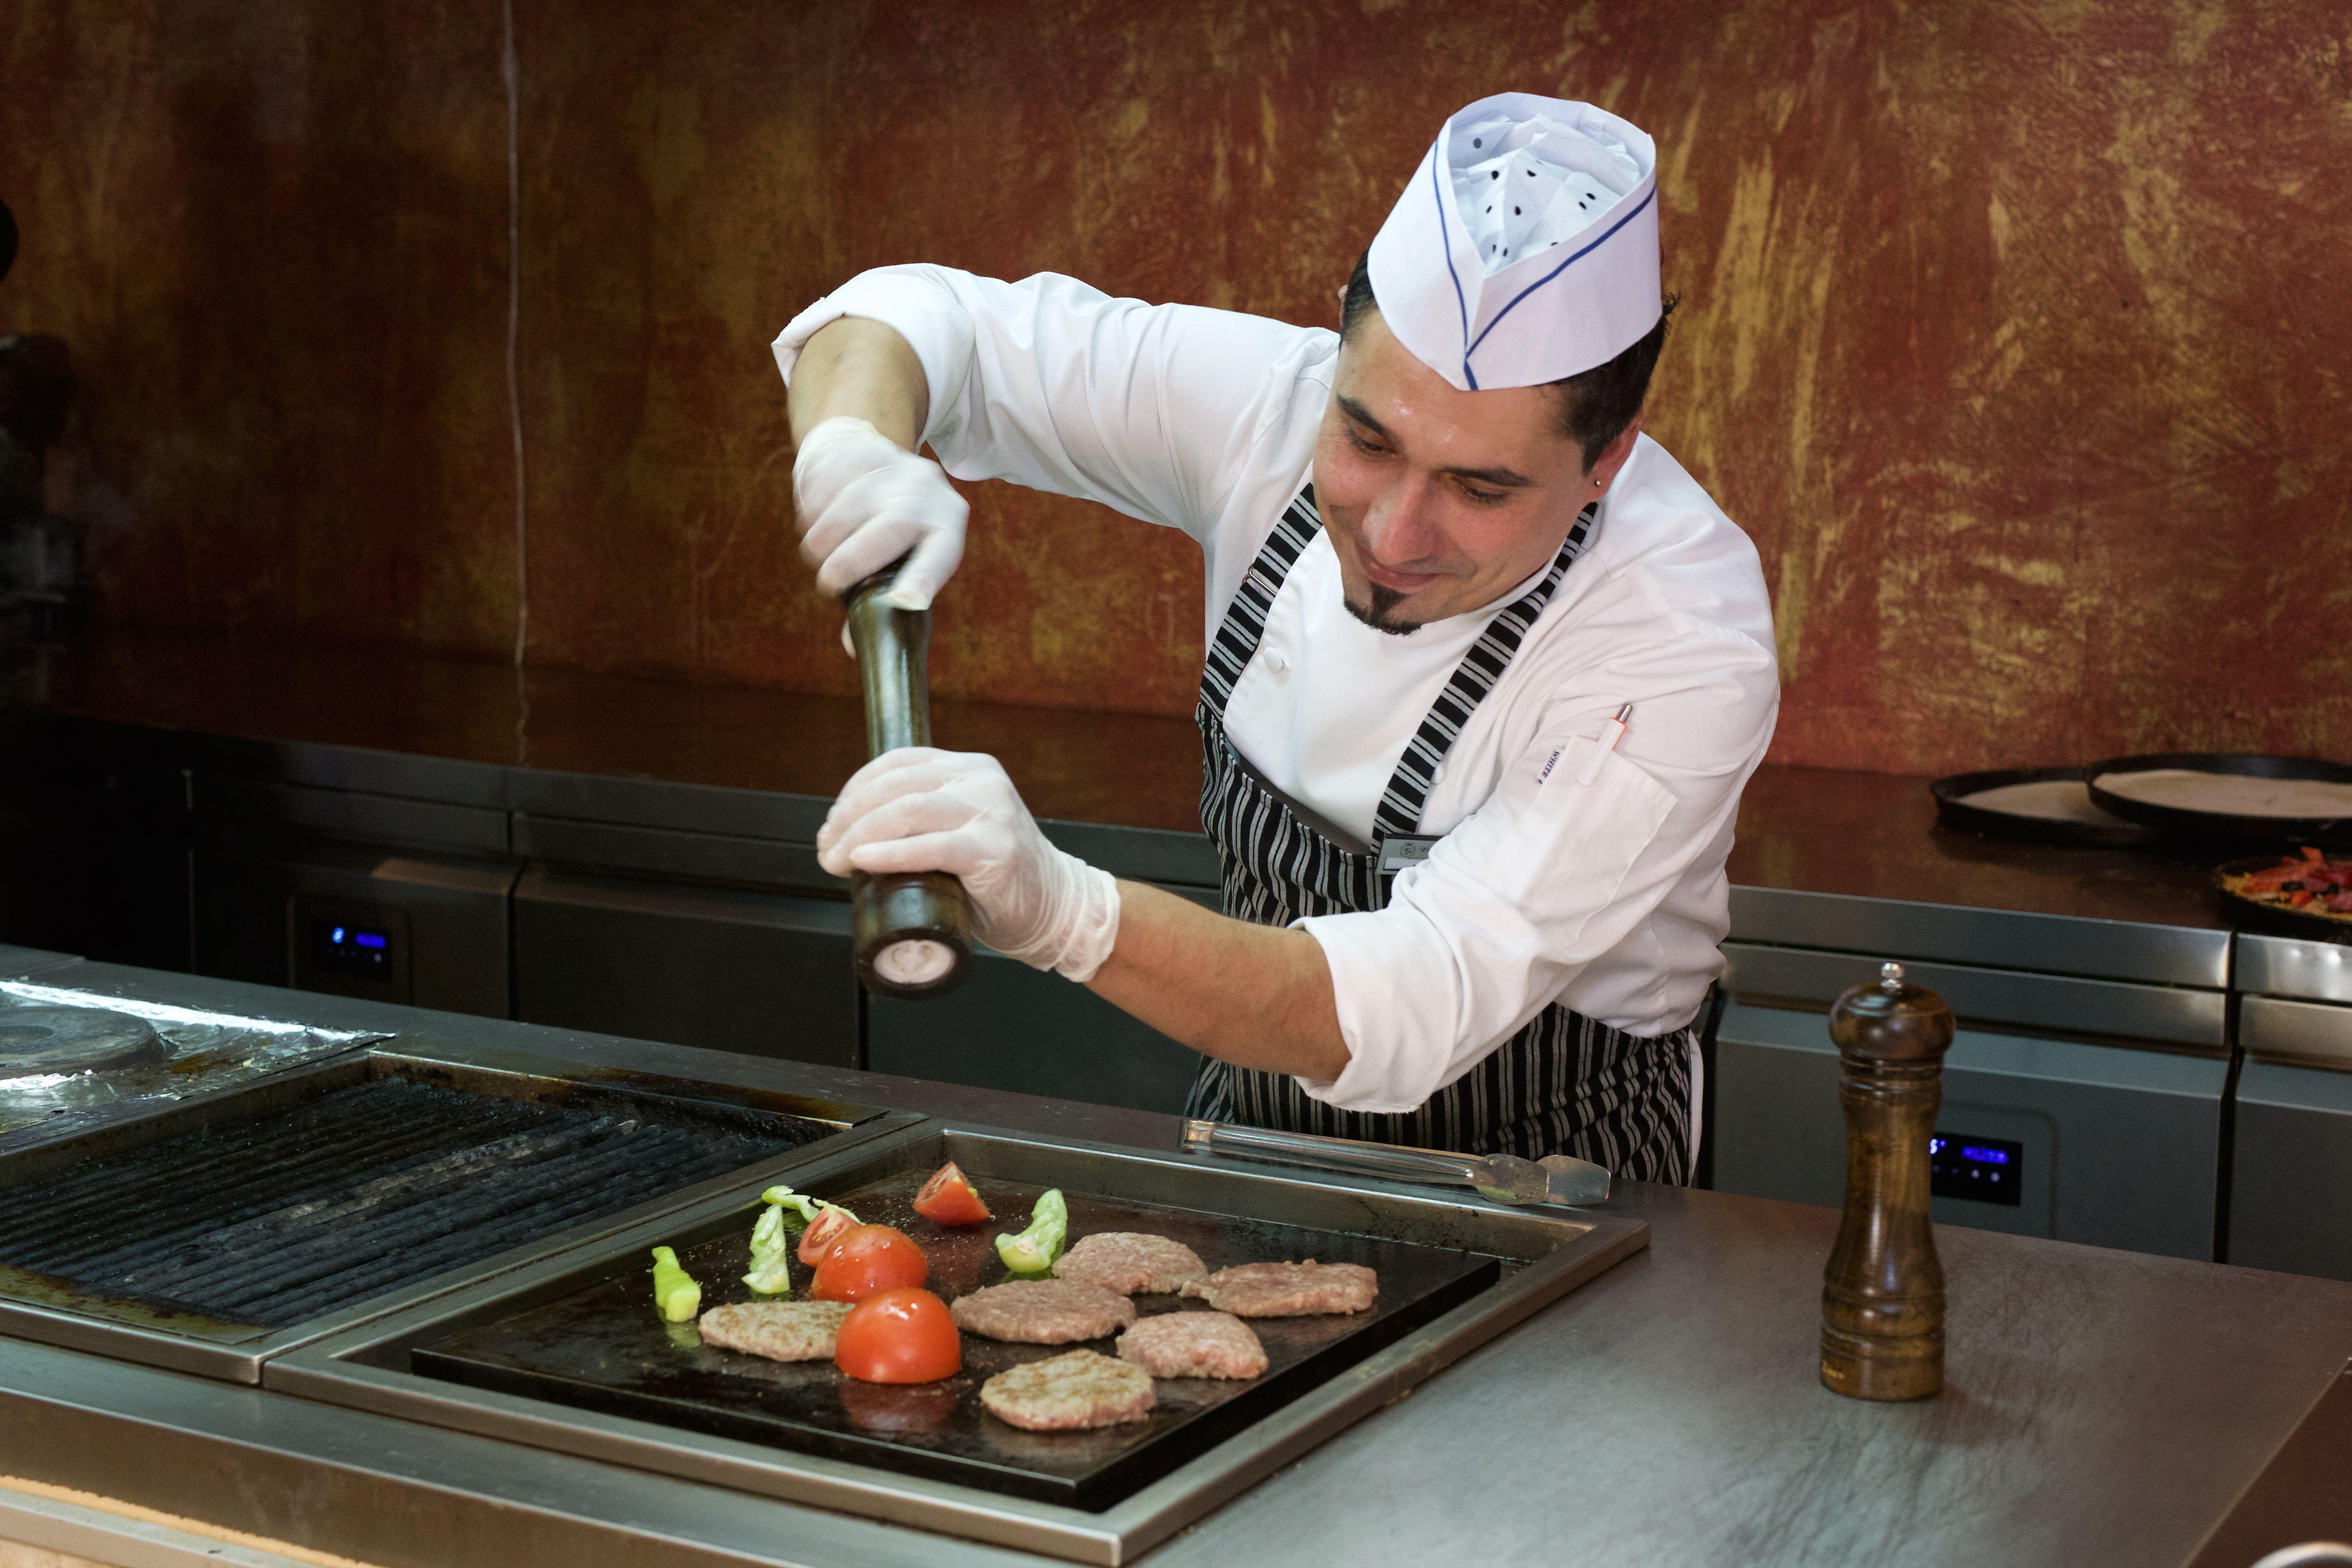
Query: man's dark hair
(1595, 406)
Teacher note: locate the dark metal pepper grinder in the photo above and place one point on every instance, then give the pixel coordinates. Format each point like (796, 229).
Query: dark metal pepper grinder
(910, 930)
(1883, 1294)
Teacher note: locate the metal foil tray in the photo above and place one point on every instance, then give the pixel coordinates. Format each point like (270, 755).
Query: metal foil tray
(190, 1053)
(567, 1354)
(213, 1235)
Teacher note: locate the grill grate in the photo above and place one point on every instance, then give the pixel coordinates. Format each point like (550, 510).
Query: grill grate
(290, 1215)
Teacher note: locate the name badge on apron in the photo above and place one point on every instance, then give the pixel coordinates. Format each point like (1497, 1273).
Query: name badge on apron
(1399, 853)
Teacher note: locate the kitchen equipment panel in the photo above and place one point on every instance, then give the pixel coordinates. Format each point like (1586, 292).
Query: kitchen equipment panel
(733, 970)
(2291, 1176)
(2291, 1155)
(2166, 1015)
(1012, 1027)
(2104, 1144)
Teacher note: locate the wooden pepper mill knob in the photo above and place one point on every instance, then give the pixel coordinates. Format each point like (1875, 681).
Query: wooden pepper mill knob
(1883, 1294)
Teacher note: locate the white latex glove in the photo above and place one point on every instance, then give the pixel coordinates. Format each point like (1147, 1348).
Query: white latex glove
(920, 809)
(864, 501)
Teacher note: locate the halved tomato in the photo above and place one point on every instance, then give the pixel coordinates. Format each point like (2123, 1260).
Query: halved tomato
(899, 1336)
(867, 1261)
(829, 1227)
(948, 1198)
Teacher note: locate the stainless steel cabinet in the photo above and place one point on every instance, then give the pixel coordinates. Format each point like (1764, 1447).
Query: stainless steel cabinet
(389, 925)
(1014, 1027)
(352, 894)
(2102, 1145)
(2291, 1159)
(2083, 1107)
(765, 974)
(2291, 1177)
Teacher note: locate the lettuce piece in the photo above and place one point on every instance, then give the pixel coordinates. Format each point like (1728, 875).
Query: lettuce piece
(800, 1202)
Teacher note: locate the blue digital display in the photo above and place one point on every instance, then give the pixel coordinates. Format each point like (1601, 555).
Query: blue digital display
(352, 950)
(1983, 1170)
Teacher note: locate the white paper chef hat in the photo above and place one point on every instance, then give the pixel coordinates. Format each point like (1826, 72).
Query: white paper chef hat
(1526, 248)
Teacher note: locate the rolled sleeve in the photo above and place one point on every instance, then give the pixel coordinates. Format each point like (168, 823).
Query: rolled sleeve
(1508, 909)
(1151, 409)
(919, 303)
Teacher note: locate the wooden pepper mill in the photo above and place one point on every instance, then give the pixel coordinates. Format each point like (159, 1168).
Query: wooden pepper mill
(1883, 1294)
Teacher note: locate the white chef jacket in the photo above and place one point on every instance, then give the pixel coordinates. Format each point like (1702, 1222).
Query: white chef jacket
(1608, 898)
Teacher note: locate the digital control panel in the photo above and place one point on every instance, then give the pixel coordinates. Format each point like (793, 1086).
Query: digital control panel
(344, 949)
(1987, 1170)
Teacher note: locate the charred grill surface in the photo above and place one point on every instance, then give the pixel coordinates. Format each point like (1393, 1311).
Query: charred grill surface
(290, 1215)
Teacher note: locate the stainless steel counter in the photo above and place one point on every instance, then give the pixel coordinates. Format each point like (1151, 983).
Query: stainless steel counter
(2104, 1407)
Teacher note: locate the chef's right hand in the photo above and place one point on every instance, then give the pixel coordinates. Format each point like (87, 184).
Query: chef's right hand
(921, 809)
(864, 501)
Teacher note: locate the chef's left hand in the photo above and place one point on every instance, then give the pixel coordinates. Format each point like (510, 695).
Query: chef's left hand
(921, 809)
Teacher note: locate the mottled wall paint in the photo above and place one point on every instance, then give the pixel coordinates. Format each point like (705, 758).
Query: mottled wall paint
(2015, 333)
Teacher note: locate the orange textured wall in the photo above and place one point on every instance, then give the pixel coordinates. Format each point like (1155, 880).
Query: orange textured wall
(2014, 332)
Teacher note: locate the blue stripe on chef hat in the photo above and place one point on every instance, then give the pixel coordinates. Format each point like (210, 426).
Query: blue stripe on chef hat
(1469, 270)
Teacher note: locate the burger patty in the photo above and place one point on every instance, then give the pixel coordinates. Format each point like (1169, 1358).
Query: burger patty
(781, 1331)
(1288, 1289)
(1043, 1311)
(1132, 1262)
(1063, 1393)
(1194, 1344)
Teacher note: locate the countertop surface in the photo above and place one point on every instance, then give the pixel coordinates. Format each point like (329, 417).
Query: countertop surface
(1865, 834)
(2101, 1407)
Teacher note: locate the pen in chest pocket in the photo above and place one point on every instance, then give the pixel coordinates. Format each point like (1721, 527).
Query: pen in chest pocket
(1612, 731)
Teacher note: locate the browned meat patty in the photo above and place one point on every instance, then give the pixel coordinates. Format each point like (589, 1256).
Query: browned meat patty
(1194, 1344)
(1063, 1392)
(781, 1331)
(1288, 1289)
(1131, 1262)
(1043, 1311)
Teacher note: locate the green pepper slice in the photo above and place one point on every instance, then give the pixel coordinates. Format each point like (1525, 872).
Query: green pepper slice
(675, 1291)
(1034, 1249)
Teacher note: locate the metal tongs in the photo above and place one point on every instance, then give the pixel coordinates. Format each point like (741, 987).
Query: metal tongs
(1501, 1178)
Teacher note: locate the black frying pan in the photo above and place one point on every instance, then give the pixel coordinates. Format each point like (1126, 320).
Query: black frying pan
(911, 932)
(2290, 830)
(1954, 809)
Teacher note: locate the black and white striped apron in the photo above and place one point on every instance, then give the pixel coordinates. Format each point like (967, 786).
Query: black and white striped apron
(1563, 1084)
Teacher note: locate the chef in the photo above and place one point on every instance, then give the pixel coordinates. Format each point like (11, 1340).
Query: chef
(1487, 668)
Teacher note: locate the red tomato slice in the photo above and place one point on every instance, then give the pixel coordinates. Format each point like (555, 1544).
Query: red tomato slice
(948, 1198)
(867, 1261)
(828, 1227)
(899, 1336)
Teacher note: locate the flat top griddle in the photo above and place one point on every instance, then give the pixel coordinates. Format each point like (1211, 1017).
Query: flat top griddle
(604, 1348)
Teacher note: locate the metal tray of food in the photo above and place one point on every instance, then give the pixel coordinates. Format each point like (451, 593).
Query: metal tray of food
(210, 1236)
(2240, 885)
(1456, 1271)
